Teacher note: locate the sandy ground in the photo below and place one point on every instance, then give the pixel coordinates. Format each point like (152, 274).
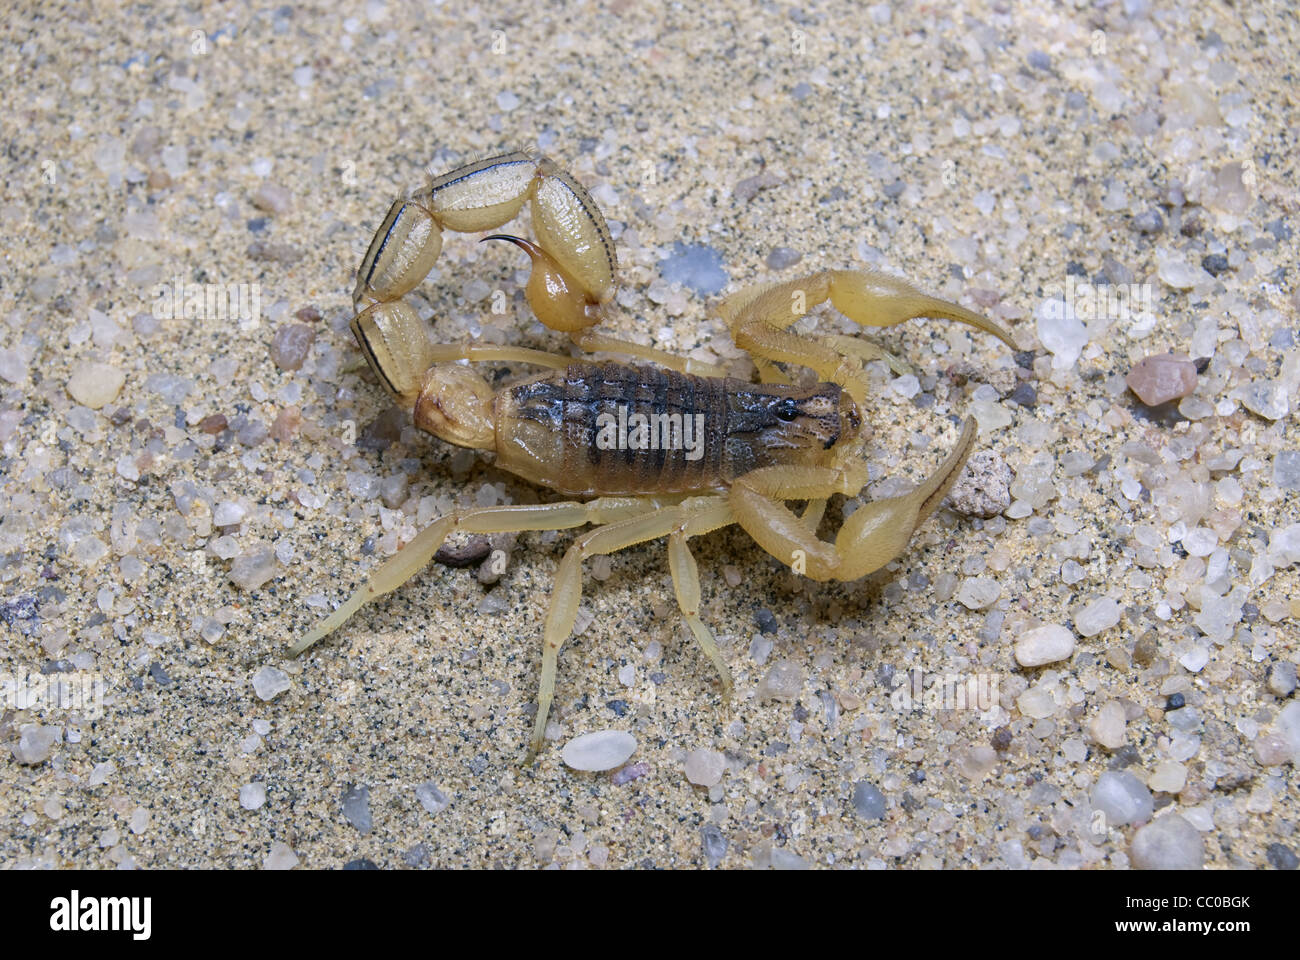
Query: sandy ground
(997, 155)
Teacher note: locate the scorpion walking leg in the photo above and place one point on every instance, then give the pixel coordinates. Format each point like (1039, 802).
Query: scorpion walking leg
(703, 516)
(568, 586)
(413, 557)
(872, 536)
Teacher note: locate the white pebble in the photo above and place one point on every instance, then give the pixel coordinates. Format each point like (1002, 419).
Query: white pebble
(1123, 798)
(252, 795)
(704, 768)
(95, 385)
(599, 750)
(269, 683)
(1046, 644)
(1107, 727)
(281, 857)
(1168, 777)
(1101, 614)
(1169, 843)
(978, 593)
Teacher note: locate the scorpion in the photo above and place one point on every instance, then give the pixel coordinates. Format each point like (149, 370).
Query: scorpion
(665, 447)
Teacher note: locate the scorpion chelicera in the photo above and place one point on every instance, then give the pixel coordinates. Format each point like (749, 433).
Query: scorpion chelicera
(668, 447)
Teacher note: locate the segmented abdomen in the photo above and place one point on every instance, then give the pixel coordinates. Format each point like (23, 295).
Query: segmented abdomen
(612, 428)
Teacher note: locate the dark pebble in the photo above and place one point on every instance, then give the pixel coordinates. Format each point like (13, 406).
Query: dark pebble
(257, 224)
(1002, 739)
(1214, 264)
(417, 856)
(1176, 701)
(618, 706)
(1124, 756)
(1025, 358)
(215, 423)
(765, 620)
(714, 844)
(1149, 221)
(894, 190)
(1025, 395)
(868, 802)
(159, 674)
(1280, 857)
(800, 712)
(362, 864)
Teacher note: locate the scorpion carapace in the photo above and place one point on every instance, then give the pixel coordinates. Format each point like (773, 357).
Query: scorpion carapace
(670, 447)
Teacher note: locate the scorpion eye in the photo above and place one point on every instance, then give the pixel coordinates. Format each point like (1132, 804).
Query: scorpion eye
(787, 409)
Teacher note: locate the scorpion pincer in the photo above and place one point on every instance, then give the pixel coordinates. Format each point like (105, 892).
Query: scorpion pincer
(669, 447)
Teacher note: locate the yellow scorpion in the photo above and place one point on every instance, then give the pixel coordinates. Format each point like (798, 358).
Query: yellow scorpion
(671, 447)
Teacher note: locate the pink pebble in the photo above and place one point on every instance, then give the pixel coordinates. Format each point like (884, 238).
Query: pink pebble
(1162, 378)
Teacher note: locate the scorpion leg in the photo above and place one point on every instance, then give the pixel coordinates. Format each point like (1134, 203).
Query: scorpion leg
(568, 583)
(705, 515)
(417, 554)
(872, 536)
(758, 318)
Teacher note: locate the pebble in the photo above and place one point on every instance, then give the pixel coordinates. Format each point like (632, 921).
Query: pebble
(253, 568)
(1161, 378)
(228, 513)
(1280, 857)
(783, 681)
(1287, 726)
(1101, 614)
(290, 345)
(356, 808)
(273, 198)
(95, 385)
(713, 843)
(599, 750)
(782, 257)
(13, 366)
(1263, 398)
(1282, 678)
(1046, 644)
(1169, 776)
(704, 768)
(281, 857)
(696, 266)
(868, 802)
(1037, 703)
(984, 487)
(1107, 727)
(270, 682)
(431, 798)
(1286, 469)
(35, 743)
(977, 762)
(252, 795)
(978, 593)
(1168, 843)
(1177, 273)
(1123, 798)
(1061, 333)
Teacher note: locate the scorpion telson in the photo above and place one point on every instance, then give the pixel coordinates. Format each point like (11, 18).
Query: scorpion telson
(669, 447)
